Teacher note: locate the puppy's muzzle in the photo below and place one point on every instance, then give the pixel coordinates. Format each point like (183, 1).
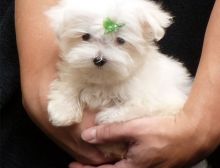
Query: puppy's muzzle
(99, 61)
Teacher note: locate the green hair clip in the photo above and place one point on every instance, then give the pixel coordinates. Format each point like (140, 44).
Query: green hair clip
(111, 26)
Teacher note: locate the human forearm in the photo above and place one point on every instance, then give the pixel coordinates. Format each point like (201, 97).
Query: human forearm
(38, 54)
(204, 101)
(35, 40)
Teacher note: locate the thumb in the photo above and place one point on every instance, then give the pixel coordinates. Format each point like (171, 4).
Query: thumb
(109, 133)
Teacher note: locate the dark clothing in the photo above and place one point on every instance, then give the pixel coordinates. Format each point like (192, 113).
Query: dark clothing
(22, 144)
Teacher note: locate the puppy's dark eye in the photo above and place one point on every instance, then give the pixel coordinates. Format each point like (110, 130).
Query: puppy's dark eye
(86, 37)
(120, 40)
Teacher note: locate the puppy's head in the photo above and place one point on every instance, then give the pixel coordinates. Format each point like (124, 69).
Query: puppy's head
(98, 54)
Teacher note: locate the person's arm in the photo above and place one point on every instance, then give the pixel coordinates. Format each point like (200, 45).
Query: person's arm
(174, 141)
(204, 101)
(38, 54)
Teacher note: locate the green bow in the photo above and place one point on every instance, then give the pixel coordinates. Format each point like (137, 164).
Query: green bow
(111, 26)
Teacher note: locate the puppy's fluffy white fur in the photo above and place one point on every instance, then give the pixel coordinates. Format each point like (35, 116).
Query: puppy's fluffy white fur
(136, 75)
(136, 80)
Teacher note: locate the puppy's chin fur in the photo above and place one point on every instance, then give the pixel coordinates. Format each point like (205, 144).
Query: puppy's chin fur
(134, 75)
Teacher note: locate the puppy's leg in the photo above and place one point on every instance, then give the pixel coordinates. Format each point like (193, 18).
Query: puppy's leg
(63, 107)
(133, 109)
(120, 113)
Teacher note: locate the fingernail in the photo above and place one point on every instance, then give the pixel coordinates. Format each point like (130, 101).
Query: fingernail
(89, 135)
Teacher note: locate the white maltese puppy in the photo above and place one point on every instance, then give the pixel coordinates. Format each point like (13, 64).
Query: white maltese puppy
(110, 62)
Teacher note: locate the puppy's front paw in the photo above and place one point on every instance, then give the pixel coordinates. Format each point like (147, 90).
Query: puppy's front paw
(63, 114)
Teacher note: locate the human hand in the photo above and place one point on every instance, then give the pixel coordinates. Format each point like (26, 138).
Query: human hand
(154, 142)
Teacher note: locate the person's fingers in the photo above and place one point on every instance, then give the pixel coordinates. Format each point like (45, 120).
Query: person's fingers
(110, 132)
(79, 165)
(89, 154)
(121, 164)
(75, 165)
(94, 160)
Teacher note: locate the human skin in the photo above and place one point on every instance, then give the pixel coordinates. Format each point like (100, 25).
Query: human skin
(38, 55)
(174, 141)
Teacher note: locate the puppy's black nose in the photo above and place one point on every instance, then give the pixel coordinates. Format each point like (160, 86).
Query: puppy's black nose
(99, 61)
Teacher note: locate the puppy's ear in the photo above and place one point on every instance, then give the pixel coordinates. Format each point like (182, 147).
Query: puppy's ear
(55, 17)
(156, 18)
